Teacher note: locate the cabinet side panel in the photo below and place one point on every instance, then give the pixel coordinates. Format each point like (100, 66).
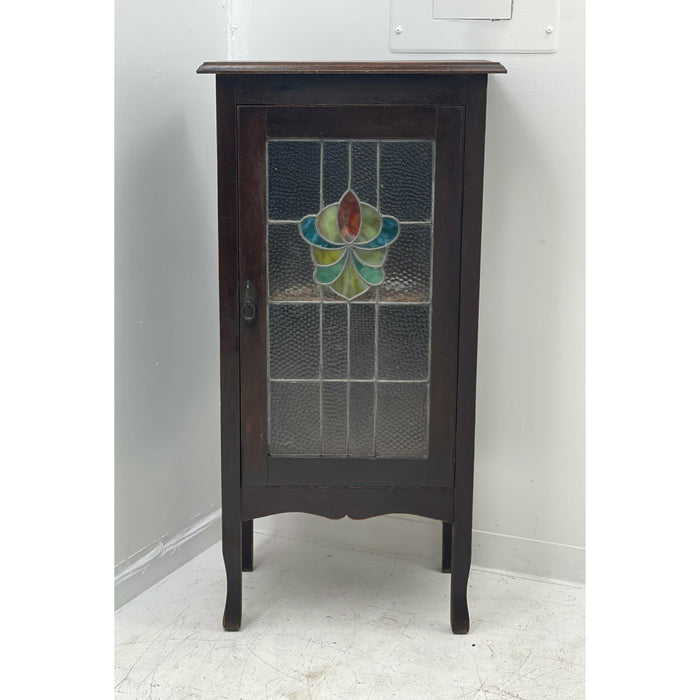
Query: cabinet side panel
(475, 124)
(229, 340)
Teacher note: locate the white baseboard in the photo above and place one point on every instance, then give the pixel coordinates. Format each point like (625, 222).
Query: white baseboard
(408, 535)
(153, 563)
(401, 535)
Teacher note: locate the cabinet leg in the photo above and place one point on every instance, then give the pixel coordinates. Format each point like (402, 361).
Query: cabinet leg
(461, 561)
(446, 548)
(247, 552)
(231, 543)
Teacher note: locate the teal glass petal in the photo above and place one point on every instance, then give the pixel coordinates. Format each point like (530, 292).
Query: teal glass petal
(307, 227)
(371, 275)
(329, 274)
(390, 229)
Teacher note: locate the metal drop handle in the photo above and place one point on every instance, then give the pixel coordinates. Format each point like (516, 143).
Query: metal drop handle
(248, 305)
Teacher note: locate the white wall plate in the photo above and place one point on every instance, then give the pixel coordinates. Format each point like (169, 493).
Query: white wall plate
(533, 28)
(472, 9)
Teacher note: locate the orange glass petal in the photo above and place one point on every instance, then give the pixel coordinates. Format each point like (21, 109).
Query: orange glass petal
(349, 216)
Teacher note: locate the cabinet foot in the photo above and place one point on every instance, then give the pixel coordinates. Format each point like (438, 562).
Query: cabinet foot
(234, 584)
(461, 561)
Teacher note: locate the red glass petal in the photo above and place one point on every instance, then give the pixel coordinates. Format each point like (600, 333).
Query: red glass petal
(349, 216)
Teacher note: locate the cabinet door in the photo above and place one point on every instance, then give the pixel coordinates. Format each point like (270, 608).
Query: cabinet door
(349, 249)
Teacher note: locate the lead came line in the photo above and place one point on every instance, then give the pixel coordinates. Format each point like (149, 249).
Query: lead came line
(312, 380)
(376, 330)
(320, 324)
(430, 300)
(347, 369)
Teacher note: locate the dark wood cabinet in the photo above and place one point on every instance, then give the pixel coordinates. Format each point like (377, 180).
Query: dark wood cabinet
(349, 250)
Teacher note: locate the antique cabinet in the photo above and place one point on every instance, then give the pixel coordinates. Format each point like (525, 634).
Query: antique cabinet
(349, 247)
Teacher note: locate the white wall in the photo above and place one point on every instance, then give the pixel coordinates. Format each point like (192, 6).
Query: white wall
(529, 510)
(530, 396)
(167, 391)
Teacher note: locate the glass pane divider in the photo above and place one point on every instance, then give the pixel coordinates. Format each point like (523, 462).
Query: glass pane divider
(315, 380)
(275, 302)
(296, 221)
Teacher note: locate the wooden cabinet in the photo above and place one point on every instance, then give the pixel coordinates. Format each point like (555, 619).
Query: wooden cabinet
(349, 249)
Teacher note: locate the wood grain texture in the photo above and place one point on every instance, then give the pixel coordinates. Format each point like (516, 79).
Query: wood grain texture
(350, 88)
(472, 199)
(445, 303)
(347, 471)
(252, 169)
(229, 351)
(353, 502)
(365, 67)
(351, 122)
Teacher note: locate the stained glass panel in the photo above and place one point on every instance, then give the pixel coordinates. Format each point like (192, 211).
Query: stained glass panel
(349, 251)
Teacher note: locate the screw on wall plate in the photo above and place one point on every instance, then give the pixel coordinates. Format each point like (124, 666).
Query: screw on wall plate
(398, 29)
(549, 29)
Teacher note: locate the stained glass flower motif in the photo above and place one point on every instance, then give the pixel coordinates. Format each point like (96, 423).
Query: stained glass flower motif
(349, 243)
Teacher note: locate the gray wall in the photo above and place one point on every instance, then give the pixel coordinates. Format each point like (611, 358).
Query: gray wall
(167, 396)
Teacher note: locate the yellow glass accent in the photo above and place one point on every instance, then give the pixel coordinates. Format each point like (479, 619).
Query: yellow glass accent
(327, 257)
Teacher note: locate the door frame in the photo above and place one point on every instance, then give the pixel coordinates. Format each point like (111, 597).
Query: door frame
(445, 125)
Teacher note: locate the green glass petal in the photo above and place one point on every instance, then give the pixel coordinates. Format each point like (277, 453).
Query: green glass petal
(307, 227)
(327, 222)
(373, 258)
(390, 229)
(349, 285)
(372, 275)
(371, 224)
(326, 275)
(327, 257)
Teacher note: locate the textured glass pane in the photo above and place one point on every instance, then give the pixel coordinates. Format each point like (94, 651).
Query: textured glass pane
(294, 178)
(291, 270)
(364, 253)
(364, 171)
(361, 441)
(406, 180)
(402, 420)
(335, 418)
(362, 343)
(404, 339)
(335, 170)
(294, 341)
(295, 418)
(407, 267)
(335, 341)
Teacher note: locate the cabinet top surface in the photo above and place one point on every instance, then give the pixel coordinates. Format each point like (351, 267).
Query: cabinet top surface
(356, 67)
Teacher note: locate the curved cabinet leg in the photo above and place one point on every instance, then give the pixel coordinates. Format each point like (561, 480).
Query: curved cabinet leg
(247, 552)
(231, 542)
(446, 548)
(461, 561)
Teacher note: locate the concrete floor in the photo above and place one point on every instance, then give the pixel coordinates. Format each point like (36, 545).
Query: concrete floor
(321, 622)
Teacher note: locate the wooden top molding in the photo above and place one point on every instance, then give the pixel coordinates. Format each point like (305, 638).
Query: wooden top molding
(345, 68)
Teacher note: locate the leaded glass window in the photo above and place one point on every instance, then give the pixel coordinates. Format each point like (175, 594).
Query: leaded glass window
(349, 260)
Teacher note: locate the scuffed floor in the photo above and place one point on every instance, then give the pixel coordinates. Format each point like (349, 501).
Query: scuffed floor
(323, 622)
